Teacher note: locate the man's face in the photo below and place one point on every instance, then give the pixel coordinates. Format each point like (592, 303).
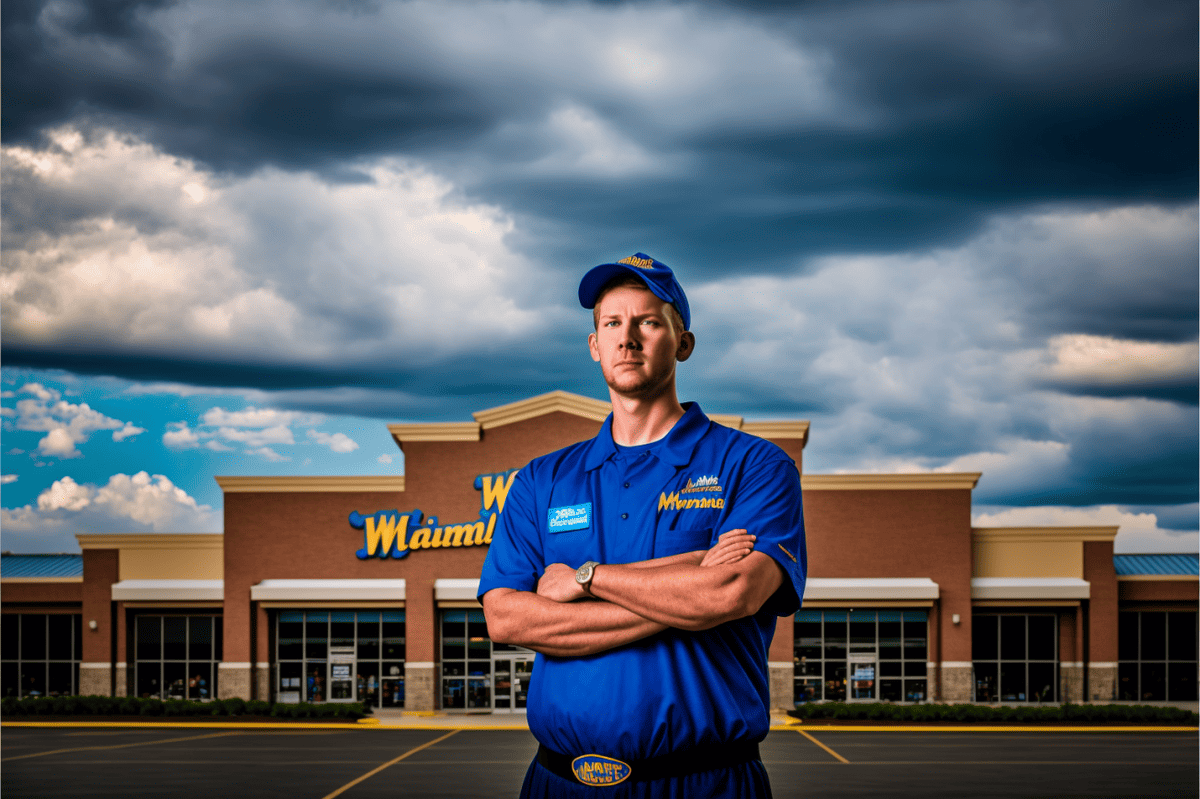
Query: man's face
(636, 343)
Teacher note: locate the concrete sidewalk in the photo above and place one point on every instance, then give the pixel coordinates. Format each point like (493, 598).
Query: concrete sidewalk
(486, 721)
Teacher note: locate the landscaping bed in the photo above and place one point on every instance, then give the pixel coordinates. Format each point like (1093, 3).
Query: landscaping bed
(111, 708)
(1067, 714)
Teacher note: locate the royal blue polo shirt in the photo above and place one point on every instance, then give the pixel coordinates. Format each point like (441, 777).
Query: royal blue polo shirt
(597, 501)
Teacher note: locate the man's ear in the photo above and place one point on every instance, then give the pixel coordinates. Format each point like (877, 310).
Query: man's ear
(687, 345)
(594, 347)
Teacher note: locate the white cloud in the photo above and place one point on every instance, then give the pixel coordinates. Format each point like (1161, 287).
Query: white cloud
(216, 446)
(1137, 532)
(268, 454)
(180, 436)
(5, 479)
(65, 494)
(138, 503)
(280, 434)
(66, 424)
(128, 431)
(1105, 360)
(257, 417)
(338, 442)
(146, 265)
(384, 459)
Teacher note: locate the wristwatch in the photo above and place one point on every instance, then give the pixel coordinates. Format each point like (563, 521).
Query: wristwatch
(583, 575)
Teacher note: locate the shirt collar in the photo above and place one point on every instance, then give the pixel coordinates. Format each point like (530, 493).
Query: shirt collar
(677, 447)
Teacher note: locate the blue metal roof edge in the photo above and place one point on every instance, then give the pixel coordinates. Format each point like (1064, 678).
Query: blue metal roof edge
(58, 565)
(1176, 564)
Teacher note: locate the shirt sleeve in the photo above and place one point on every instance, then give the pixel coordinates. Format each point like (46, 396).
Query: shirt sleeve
(767, 503)
(514, 558)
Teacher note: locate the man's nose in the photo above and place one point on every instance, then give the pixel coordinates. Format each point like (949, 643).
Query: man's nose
(632, 342)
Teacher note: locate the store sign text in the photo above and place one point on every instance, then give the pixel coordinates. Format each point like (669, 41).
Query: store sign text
(392, 534)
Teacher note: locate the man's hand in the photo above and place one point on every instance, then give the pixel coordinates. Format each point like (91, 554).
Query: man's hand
(731, 547)
(558, 583)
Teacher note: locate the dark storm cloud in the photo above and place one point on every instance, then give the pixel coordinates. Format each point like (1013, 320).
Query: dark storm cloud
(940, 114)
(991, 140)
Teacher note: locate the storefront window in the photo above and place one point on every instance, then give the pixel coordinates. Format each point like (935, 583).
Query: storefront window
(40, 654)
(477, 674)
(1015, 657)
(340, 656)
(1158, 656)
(860, 655)
(176, 656)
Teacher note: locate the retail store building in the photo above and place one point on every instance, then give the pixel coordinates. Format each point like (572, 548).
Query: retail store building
(333, 589)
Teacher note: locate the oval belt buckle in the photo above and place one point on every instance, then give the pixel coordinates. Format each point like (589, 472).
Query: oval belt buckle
(600, 770)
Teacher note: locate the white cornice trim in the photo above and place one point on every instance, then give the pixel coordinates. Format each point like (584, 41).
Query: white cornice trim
(18, 580)
(291, 484)
(552, 402)
(438, 431)
(150, 540)
(849, 589)
(918, 481)
(1026, 535)
(1029, 588)
(168, 590)
(455, 589)
(328, 590)
(777, 430)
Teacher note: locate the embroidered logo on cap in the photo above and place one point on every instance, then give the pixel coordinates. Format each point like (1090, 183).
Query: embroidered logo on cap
(569, 517)
(600, 770)
(640, 263)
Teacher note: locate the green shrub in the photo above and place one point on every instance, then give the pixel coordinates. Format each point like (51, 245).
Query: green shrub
(1026, 714)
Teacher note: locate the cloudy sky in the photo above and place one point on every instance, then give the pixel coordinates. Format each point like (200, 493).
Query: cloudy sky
(240, 238)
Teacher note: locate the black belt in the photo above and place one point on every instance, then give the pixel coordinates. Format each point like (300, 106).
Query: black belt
(601, 770)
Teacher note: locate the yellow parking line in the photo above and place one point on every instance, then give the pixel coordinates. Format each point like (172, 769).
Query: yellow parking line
(391, 762)
(823, 746)
(930, 728)
(119, 746)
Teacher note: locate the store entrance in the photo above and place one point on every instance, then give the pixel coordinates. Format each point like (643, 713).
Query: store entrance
(862, 677)
(511, 675)
(341, 674)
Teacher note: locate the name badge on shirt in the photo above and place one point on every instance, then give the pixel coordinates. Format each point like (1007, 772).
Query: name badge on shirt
(570, 517)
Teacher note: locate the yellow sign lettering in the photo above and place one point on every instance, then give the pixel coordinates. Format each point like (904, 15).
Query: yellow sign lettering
(495, 489)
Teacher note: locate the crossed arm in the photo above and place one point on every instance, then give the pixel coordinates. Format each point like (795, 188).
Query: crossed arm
(690, 591)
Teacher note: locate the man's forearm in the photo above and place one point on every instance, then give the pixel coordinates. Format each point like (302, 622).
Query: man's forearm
(686, 596)
(569, 629)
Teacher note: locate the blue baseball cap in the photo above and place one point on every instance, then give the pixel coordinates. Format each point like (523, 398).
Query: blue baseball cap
(658, 278)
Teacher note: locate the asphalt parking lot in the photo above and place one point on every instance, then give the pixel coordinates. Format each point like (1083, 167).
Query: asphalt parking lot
(359, 763)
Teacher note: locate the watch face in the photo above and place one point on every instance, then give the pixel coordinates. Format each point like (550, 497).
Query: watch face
(584, 574)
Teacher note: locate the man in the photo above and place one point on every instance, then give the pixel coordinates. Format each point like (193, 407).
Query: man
(647, 567)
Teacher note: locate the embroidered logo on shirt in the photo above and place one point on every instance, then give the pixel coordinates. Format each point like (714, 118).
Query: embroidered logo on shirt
(599, 770)
(706, 483)
(673, 501)
(569, 517)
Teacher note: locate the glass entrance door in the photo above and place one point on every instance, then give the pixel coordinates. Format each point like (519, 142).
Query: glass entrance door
(341, 675)
(511, 676)
(862, 677)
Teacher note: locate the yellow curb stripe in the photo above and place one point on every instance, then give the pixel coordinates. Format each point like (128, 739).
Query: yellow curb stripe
(391, 762)
(250, 725)
(914, 728)
(823, 746)
(117, 746)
